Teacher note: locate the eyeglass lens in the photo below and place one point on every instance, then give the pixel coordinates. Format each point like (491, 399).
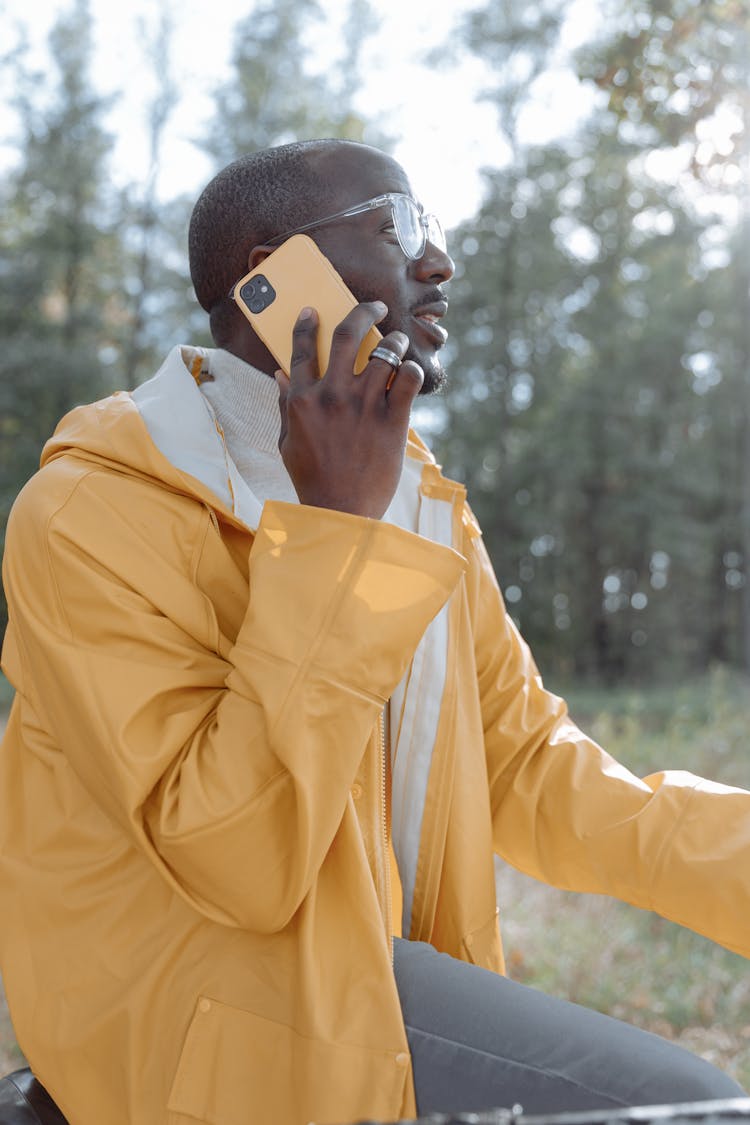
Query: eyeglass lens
(414, 229)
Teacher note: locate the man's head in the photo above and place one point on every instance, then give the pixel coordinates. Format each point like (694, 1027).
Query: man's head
(261, 196)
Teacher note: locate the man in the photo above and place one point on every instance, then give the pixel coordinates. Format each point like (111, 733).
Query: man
(263, 697)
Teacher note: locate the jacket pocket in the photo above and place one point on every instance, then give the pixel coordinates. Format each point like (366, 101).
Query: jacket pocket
(483, 946)
(237, 1067)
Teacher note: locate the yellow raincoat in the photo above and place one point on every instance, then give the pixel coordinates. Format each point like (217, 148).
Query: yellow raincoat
(194, 892)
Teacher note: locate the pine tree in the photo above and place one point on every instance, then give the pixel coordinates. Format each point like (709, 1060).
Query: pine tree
(677, 75)
(274, 96)
(55, 286)
(590, 409)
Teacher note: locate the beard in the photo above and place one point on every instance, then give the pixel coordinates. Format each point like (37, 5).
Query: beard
(435, 375)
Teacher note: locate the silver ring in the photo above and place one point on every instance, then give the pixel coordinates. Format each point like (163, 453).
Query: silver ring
(390, 357)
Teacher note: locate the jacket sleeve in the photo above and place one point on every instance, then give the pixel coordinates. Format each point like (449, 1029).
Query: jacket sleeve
(565, 812)
(231, 771)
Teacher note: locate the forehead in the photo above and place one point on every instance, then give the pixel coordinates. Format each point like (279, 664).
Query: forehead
(360, 174)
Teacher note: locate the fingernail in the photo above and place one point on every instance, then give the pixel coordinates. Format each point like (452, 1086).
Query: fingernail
(380, 306)
(306, 313)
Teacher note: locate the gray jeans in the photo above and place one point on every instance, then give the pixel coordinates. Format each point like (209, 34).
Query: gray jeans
(480, 1041)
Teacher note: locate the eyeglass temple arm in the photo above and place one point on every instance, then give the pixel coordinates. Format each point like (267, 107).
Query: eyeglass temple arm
(357, 209)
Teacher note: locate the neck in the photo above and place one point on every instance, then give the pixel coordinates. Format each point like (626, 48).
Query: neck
(246, 346)
(232, 332)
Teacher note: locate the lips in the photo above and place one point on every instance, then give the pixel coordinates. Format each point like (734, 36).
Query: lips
(427, 317)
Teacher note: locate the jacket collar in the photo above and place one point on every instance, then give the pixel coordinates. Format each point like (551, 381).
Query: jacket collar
(183, 426)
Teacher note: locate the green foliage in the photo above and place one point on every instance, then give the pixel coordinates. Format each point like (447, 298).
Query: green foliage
(599, 360)
(516, 43)
(6, 697)
(671, 67)
(586, 410)
(155, 294)
(274, 96)
(600, 350)
(53, 281)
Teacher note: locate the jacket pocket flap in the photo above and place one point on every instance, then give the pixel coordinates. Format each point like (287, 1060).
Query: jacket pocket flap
(237, 1067)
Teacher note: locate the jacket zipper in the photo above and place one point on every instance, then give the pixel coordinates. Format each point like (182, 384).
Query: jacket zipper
(384, 824)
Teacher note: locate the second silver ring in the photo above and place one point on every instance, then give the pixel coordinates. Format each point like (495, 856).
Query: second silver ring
(381, 352)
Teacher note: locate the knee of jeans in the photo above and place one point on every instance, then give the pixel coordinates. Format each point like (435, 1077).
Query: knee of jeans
(704, 1083)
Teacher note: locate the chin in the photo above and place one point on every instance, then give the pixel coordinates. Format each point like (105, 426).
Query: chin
(435, 376)
(434, 381)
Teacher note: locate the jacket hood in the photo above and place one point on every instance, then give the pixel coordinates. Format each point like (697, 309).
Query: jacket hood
(166, 430)
(116, 432)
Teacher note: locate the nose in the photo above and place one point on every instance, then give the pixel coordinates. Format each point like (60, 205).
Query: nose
(434, 265)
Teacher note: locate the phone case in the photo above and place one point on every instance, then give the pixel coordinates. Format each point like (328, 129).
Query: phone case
(296, 276)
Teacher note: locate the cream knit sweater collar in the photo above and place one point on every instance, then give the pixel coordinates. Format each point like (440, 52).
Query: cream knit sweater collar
(246, 404)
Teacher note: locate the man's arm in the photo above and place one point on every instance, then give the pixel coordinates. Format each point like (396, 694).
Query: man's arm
(566, 813)
(229, 764)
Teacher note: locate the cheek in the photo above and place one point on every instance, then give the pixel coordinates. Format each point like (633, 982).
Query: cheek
(378, 274)
(368, 289)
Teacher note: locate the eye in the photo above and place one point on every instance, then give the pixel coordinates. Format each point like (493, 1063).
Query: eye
(389, 230)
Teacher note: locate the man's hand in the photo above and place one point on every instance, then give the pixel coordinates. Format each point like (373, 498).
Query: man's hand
(343, 435)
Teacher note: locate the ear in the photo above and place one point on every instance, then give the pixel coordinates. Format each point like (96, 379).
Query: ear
(258, 254)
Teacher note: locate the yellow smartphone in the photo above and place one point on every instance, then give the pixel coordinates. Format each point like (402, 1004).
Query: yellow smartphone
(296, 276)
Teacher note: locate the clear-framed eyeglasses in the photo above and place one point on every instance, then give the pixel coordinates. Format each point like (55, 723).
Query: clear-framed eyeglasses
(413, 228)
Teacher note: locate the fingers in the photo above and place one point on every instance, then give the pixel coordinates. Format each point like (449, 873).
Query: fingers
(380, 372)
(406, 383)
(402, 383)
(282, 383)
(346, 341)
(348, 336)
(303, 367)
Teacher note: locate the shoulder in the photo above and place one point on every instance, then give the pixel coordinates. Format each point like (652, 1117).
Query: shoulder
(75, 507)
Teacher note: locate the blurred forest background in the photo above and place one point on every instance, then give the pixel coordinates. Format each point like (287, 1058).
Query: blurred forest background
(599, 399)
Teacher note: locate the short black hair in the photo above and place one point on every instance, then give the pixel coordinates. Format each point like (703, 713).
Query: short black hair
(253, 199)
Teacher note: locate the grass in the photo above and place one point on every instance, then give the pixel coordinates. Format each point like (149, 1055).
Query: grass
(10, 1054)
(6, 695)
(602, 953)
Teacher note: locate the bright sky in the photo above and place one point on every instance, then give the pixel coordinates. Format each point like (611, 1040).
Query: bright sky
(447, 135)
